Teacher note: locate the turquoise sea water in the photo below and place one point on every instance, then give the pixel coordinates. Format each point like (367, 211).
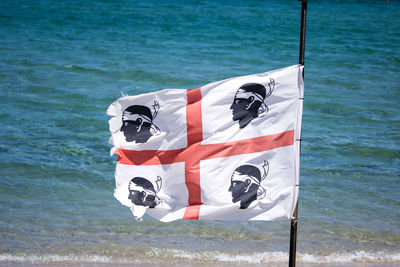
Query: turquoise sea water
(63, 62)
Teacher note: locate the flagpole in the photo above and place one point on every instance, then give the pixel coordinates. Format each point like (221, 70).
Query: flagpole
(303, 31)
(294, 220)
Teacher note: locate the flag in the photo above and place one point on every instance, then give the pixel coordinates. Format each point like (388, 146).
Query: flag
(229, 150)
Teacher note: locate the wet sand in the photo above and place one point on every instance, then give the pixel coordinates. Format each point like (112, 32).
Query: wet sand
(11, 264)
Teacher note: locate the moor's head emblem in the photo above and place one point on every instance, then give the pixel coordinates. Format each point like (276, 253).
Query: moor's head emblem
(137, 123)
(246, 184)
(249, 104)
(143, 193)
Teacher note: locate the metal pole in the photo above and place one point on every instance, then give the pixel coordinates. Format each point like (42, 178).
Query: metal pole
(293, 238)
(303, 31)
(294, 220)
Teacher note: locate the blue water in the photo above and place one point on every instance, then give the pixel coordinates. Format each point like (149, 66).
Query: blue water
(63, 62)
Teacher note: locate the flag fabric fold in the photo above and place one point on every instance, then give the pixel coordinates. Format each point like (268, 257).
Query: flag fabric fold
(229, 150)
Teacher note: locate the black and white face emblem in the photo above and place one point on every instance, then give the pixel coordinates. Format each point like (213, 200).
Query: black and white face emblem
(137, 123)
(249, 104)
(142, 192)
(246, 184)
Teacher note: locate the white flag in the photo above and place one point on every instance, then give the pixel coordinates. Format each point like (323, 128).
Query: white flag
(229, 150)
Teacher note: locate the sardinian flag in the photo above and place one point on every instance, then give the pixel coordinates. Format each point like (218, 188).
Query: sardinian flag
(229, 150)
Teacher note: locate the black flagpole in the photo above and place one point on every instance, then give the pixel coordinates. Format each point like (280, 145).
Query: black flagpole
(293, 222)
(303, 31)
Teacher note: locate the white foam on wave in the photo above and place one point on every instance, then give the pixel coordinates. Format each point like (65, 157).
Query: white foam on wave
(352, 257)
(280, 257)
(212, 256)
(270, 257)
(53, 258)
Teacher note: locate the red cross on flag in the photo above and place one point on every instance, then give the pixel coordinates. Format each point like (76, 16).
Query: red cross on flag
(229, 150)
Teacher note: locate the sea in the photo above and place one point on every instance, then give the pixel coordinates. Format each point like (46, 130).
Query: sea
(62, 63)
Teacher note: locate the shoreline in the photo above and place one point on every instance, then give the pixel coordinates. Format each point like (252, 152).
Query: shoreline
(272, 259)
(13, 264)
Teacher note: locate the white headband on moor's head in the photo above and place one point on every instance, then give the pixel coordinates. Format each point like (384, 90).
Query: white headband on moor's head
(237, 176)
(135, 187)
(128, 116)
(242, 93)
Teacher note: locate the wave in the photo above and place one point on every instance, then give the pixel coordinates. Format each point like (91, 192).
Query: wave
(176, 256)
